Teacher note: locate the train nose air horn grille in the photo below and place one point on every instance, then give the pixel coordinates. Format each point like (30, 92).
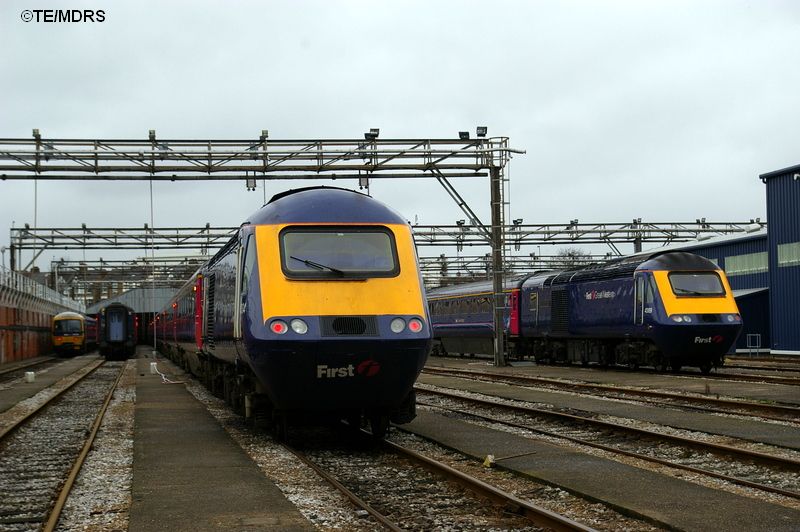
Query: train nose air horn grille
(349, 326)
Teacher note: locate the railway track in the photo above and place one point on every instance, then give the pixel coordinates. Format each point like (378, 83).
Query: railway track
(425, 477)
(42, 448)
(694, 402)
(751, 469)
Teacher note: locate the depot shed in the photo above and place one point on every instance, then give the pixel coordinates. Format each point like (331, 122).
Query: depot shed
(783, 248)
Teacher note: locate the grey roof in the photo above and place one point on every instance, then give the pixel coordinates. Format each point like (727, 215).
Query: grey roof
(748, 291)
(714, 241)
(139, 299)
(782, 171)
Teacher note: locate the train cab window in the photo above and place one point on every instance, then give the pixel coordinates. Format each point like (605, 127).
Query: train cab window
(338, 252)
(649, 293)
(699, 284)
(67, 327)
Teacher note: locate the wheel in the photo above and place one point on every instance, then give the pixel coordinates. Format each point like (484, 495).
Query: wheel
(353, 420)
(379, 424)
(280, 427)
(705, 367)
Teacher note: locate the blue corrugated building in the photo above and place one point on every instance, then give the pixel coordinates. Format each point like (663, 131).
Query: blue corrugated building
(783, 243)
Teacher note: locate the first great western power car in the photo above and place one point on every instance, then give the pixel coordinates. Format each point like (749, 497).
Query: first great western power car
(316, 306)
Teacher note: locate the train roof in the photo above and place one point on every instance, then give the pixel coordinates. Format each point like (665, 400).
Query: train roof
(625, 266)
(69, 315)
(474, 287)
(613, 269)
(324, 205)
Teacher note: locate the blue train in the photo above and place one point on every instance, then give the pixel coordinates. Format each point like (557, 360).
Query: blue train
(316, 306)
(661, 309)
(117, 326)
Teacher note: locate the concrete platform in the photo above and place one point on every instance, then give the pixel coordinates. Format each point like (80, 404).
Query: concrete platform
(660, 499)
(44, 378)
(187, 472)
(754, 391)
(750, 430)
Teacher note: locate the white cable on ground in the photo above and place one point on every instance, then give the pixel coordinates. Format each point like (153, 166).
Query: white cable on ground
(164, 379)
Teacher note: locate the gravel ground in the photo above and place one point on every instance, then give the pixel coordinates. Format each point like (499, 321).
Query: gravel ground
(328, 510)
(646, 447)
(100, 500)
(101, 497)
(35, 460)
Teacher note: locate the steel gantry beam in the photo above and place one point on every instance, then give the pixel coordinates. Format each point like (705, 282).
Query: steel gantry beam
(91, 280)
(518, 235)
(258, 158)
(37, 239)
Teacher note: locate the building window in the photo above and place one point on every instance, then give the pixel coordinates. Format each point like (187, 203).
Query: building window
(747, 264)
(789, 254)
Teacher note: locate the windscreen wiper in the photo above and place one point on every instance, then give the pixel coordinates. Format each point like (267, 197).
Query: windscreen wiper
(317, 265)
(691, 292)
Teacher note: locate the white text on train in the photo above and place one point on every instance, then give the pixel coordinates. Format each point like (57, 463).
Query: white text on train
(324, 372)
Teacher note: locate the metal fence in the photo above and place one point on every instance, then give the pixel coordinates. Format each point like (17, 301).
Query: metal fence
(18, 291)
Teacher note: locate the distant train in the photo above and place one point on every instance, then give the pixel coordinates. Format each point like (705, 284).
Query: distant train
(117, 331)
(316, 306)
(660, 309)
(74, 333)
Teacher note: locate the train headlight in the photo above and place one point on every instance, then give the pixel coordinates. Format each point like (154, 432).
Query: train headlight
(398, 325)
(677, 319)
(414, 325)
(278, 327)
(687, 319)
(299, 326)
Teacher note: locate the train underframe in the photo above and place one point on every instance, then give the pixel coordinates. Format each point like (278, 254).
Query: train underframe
(633, 353)
(238, 386)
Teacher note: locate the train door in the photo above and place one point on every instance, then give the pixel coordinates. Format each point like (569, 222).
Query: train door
(246, 265)
(640, 286)
(116, 326)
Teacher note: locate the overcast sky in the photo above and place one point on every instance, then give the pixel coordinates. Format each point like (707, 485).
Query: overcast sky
(663, 110)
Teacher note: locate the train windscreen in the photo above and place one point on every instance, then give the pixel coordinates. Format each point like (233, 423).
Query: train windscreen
(65, 327)
(696, 284)
(331, 252)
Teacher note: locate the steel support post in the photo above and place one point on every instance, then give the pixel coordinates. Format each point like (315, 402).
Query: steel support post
(497, 266)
